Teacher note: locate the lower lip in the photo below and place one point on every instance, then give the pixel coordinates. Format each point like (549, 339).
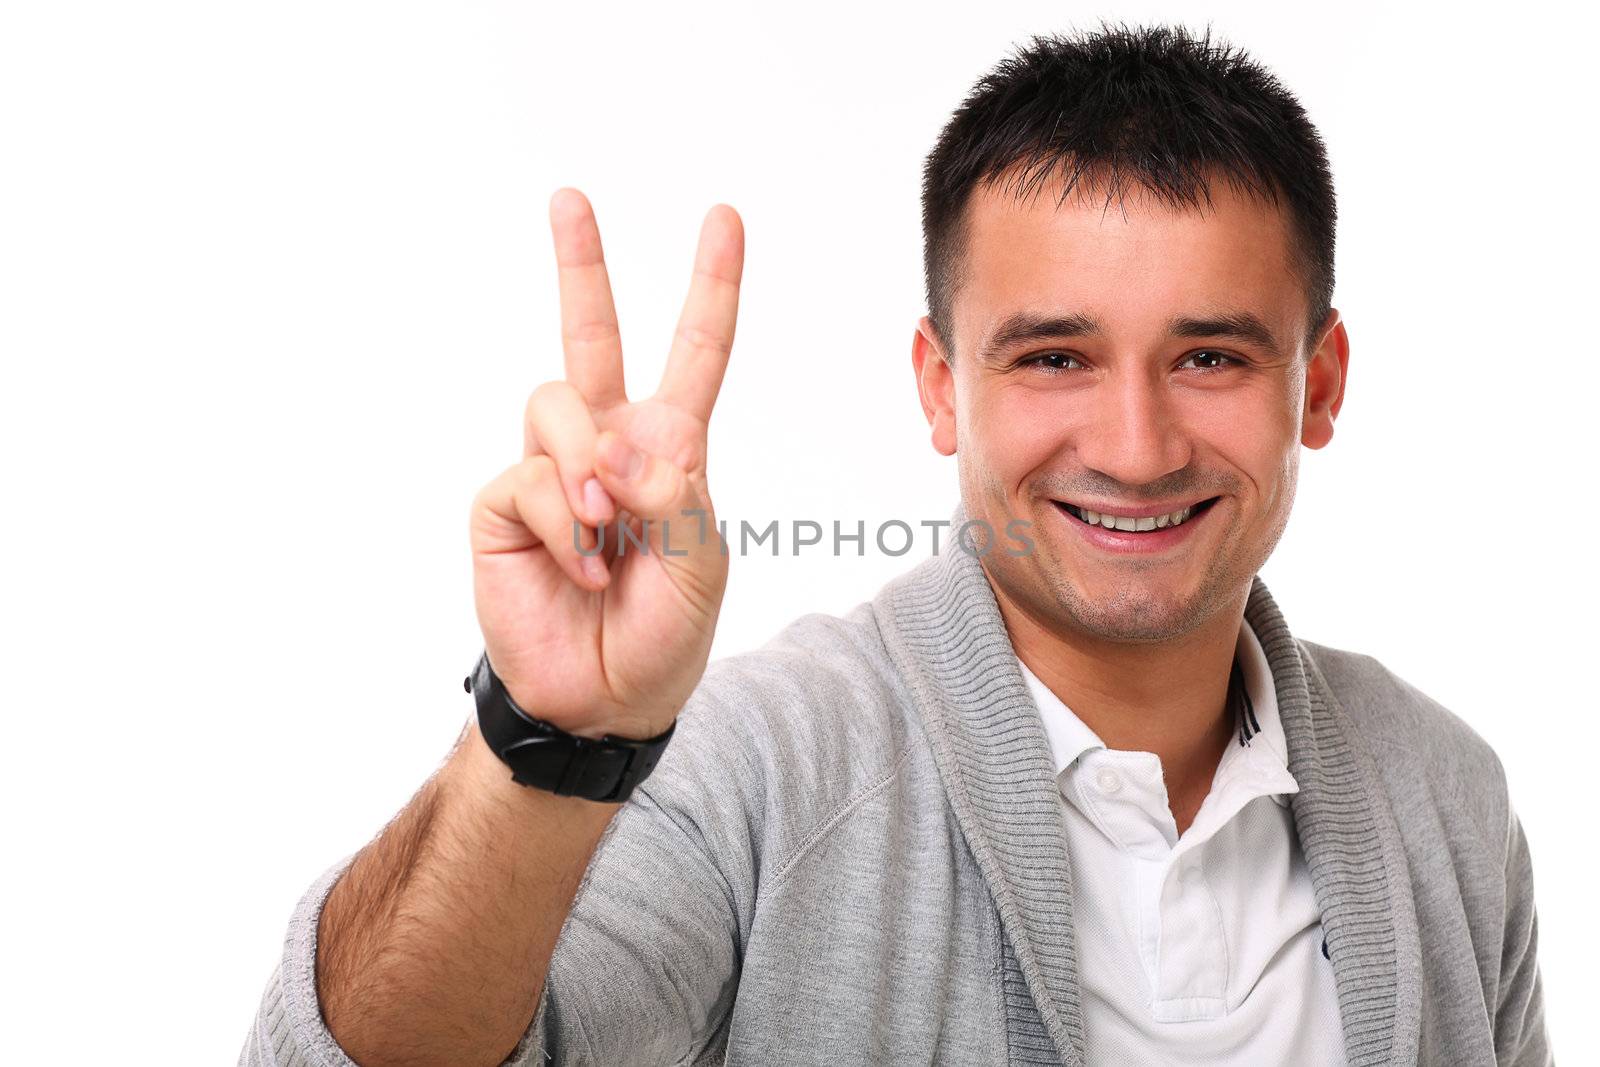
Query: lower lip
(1126, 543)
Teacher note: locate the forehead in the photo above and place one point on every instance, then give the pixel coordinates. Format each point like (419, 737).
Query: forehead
(1133, 261)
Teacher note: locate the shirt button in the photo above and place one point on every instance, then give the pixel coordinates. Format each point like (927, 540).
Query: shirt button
(1108, 780)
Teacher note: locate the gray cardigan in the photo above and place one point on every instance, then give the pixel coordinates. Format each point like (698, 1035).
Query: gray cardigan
(853, 852)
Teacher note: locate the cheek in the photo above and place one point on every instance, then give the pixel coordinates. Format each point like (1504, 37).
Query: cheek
(1014, 430)
(1277, 460)
(1256, 433)
(1277, 500)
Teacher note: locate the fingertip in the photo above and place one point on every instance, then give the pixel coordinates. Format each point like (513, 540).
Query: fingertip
(597, 502)
(567, 202)
(595, 569)
(730, 220)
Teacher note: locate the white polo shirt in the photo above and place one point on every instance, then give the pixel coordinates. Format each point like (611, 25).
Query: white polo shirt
(1204, 949)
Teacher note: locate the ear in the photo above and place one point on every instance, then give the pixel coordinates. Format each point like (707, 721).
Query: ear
(936, 386)
(1325, 377)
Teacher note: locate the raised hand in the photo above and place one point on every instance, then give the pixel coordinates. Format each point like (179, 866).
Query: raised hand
(610, 643)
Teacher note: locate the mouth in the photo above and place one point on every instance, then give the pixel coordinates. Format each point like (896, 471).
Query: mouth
(1122, 522)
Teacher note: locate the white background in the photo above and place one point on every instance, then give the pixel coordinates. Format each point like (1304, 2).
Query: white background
(276, 279)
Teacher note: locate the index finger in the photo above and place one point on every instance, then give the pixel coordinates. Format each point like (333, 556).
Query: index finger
(590, 341)
(704, 337)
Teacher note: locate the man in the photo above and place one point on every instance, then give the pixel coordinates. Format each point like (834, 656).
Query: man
(1074, 796)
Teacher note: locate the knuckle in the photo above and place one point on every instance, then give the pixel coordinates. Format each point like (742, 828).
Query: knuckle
(553, 390)
(553, 420)
(493, 491)
(585, 333)
(540, 400)
(537, 471)
(706, 340)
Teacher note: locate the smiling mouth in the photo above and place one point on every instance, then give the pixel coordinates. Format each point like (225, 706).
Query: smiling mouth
(1126, 524)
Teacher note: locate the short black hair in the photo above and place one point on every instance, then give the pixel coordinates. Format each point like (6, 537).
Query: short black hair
(1153, 107)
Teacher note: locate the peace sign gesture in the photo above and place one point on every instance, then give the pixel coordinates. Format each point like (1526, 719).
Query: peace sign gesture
(586, 630)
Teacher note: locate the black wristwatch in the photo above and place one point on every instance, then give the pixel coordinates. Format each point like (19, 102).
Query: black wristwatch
(546, 757)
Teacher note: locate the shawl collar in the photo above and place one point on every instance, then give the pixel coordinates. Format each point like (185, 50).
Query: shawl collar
(944, 631)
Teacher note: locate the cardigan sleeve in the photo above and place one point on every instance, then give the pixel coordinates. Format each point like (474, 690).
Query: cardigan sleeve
(1520, 1038)
(647, 964)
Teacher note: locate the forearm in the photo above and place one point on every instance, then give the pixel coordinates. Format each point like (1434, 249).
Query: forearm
(434, 945)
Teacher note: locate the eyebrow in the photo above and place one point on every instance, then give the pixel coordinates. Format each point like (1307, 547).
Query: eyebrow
(1231, 325)
(1234, 325)
(1022, 327)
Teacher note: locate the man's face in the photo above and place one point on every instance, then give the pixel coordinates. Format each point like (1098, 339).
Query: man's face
(1129, 360)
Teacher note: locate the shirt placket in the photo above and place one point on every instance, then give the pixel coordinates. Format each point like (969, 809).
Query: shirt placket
(1182, 941)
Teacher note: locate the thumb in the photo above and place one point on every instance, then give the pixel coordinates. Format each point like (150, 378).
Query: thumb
(659, 491)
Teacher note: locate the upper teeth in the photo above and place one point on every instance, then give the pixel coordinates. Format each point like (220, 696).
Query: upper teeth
(1124, 522)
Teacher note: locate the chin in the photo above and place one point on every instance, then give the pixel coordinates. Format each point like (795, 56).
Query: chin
(1131, 612)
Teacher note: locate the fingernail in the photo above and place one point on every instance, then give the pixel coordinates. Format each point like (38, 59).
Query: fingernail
(595, 568)
(621, 457)
(597, 500)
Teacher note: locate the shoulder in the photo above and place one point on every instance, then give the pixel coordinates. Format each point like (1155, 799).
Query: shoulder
(1383, 705)
(824, 681)
(785, 737)
(1426, 753)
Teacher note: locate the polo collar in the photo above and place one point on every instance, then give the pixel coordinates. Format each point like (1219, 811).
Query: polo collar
(1259, 753)
(1068, 736)
(942, 627)
(1265, 749)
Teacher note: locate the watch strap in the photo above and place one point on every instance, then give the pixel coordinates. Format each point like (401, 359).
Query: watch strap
(547, 757)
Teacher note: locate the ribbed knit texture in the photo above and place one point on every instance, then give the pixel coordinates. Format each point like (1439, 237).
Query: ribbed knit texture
(1351, 847)
(992, 751)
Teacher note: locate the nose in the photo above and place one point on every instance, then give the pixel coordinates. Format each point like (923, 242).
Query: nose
(1132, 433)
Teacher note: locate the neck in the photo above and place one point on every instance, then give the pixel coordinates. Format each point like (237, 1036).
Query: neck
(1169, 698)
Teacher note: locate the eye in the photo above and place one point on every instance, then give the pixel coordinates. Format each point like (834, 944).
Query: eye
(1051, 362)
(1220, 359)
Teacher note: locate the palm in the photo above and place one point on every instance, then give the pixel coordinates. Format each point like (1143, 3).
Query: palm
(626, 655)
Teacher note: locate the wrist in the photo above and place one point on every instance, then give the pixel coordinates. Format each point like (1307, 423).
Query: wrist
(606, 767)
(476, 772)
